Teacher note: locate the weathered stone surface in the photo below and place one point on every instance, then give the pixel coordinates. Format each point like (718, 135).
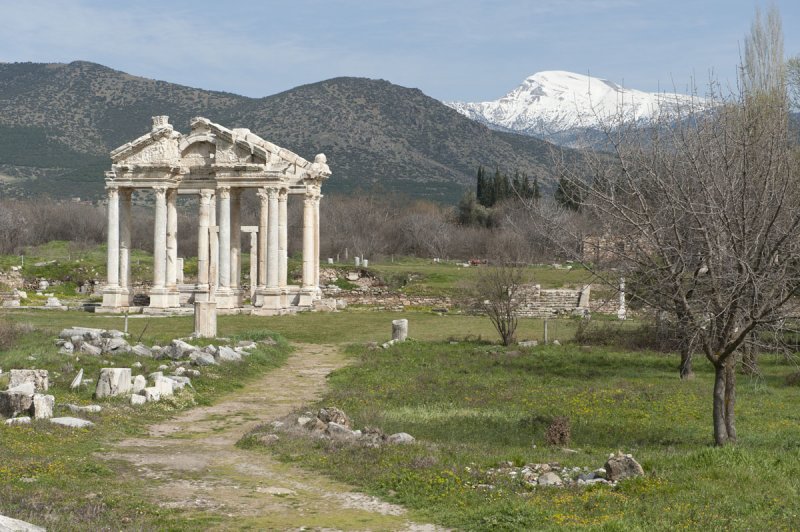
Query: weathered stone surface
(226, 354)
(90, 349)
(400, 438)
(340, 432)
(113, 333)
(83, 409)
(180, 349)
(151, 394)
(373, 436)
(620, 466)
(137, 399)
(141, 350)
(17, 400)
(247, 344)
(67, 348)
(38, 377)
(202, 359)
(53, 302)
(81, 332)
(139, 384)
(43, 406)
(115, 345)
(399, 330)
(529, 343)
(8, 524)
(549, 479)
(22, 420)
(332, 414)
(73, 422)
(113, 382)
(164, 385)
(179, 382)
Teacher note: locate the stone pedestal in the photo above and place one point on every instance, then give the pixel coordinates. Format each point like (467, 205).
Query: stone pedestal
(115, 298)
(205, 319)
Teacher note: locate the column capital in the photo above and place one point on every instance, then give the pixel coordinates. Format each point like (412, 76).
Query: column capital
(263, 194)
(160, 190)
(224, 192)
(206, 195)
(283, 194)
(112, 191)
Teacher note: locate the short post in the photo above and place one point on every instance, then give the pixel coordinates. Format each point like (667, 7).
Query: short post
(399, 330)
(205, 319)
(545, 330)
(358, 261)
(622, 312)
(366, 263)
(330, 260)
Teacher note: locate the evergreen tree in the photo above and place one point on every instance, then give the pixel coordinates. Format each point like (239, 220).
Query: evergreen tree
(535, 191)
(568, 194)
(481, 189)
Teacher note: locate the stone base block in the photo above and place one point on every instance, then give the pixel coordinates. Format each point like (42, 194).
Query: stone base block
(307, 297)
(226, 298)
(205, 319)
(115, 297)
(160, 298)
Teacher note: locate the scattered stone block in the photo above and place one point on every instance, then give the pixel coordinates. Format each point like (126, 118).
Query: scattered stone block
(549, 479)
(339, 432)
(332, 414)
(113, 382)
(141, 350)
(115, 345)
(164, 385)
(139, 384)
(151, 394)
(137, 400)
(90, 349)
(226, 354)
(180, 349)
(199, 358)
(43, 406)
(400, 438)
(53, 302)
(620, 466)
(15, 525)
(247, 344)
(38, 377)
(22, 420)
(80, 409)
(17, 400)
(529, 343)
(73, 422)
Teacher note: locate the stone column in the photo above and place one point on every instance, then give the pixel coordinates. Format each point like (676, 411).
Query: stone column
(112, 264)
(213, 264)
(316, 241)
(224, 291)
(172, 249)
(283, 238)
(272, 240)
(262, 245)
(125, 242)
(203, 222)
(112, 293)
(236, 244)
(158, 297)
(253, 263)
(308, 242)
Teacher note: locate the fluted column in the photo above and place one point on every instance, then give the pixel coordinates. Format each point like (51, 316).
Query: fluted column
(316, 240)
(160, 238)
(253, 264)
(262, 238)
(283, 239)
(125, 238)
(203, 221)
(112, 262)
(272, 240)
(236, 239)
(172, 248)
(213, 263)
(308, 241)
(224, 194)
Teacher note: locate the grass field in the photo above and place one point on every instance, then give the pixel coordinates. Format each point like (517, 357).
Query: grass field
(473, 409)
(50, 474)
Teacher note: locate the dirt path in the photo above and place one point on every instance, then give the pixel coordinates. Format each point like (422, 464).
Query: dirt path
(191, 462)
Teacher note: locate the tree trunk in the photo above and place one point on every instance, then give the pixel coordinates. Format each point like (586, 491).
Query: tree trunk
(720, 427)
(750, 357)
(685, 369)
(730, 398)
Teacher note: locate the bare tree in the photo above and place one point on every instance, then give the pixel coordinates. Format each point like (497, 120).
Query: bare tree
(707, 204)
(495, 291)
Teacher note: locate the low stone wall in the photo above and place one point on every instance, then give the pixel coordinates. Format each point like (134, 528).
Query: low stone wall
(547, 303)
(382, 299)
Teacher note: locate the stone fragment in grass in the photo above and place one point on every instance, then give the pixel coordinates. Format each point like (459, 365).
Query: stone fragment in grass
(151, 394)
(340, 432)
(202, 359)
(139, 384)
(246, 344)
(38, 377)
(115, 345)
(620, 466)
(179, 349)
(113, 382)
(76, 382)
(226, 354)
(43, 406)
(17, 400)
(81, 332)
(164, 385)
(332, 414)
(138, 400)
(549, 479)
(113, 333)
(179, 382)
(141, 350)
(22, 420)
(401, 438)
(84, 409)
(67, 348)
(528, 343)
(89, 349)
(268, 341)
(73, 422)
(304, 420)
(15, 525)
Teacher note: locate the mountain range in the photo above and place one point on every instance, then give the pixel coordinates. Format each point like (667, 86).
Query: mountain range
(569, 109)
(58, 122)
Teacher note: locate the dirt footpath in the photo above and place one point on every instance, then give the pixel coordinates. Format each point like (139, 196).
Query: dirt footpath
(191, 461)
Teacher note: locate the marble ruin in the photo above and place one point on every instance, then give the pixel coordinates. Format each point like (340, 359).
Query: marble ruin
(216, 165)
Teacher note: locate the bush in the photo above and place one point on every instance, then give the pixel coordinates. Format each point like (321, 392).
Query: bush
(559, 432)
(647, 336)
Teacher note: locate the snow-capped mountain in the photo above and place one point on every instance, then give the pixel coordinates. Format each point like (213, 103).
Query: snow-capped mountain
(559, 106)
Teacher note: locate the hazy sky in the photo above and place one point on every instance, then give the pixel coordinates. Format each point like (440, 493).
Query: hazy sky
(468, 50)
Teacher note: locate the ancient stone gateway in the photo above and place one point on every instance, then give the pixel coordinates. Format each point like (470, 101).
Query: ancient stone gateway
(215, 164)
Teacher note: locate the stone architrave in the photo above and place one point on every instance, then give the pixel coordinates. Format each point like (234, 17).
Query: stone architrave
(210, 158)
